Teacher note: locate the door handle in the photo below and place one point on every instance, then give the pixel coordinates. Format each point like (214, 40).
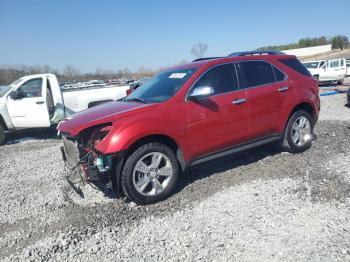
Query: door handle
(40, 102)
(239, 101)
(283, 89)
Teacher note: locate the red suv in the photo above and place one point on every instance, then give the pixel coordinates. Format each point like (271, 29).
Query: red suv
(189, 114)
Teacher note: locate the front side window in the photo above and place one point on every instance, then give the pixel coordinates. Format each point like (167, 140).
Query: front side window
(311, 65)
(221, 78)
(32, 88)
(255, 73)
(162, 86)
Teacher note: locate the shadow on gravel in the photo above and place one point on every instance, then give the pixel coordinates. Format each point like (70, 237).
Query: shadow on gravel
(204, 170)
(38, 134)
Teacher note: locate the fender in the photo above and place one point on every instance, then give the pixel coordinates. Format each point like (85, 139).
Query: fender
(121, 139)
(5, 119)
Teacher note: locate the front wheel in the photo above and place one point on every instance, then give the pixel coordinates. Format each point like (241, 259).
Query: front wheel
(298, 134)
(2, 135)
(150, 173)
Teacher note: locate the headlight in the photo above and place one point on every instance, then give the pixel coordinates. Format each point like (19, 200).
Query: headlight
(97, 133)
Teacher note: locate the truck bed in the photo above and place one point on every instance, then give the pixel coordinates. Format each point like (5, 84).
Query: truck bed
(76, 100)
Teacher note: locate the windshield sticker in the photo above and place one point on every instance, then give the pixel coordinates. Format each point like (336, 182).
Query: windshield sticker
(177, 75)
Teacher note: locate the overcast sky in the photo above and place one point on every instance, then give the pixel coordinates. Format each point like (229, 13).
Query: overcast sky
(117, 34)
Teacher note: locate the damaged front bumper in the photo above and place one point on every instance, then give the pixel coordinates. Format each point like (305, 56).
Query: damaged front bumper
(86, 165)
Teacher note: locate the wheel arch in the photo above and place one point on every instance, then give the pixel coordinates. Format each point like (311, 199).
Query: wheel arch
(160, 138)
(306, 106)
(3, 123)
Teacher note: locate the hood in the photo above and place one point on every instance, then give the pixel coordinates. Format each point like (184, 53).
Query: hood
(100, 114)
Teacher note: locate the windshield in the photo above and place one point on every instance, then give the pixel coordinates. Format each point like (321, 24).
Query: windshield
(5, 89)
(162, 86)
(311, 65)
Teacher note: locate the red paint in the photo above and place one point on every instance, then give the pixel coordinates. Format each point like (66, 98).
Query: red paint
(205, 126)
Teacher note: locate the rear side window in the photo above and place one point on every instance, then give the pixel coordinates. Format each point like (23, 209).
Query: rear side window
(221, 78)
(279, 75)
(255, 73)
(295, 64)
(334, 63)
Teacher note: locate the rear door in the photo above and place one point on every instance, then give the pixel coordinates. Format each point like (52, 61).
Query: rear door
(30, 110)
(333, 71)
(221, 120)
(266, 87)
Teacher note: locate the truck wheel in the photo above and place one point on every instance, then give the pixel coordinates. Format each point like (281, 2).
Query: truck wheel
(298, 134)
(2, 135)
(150, 174)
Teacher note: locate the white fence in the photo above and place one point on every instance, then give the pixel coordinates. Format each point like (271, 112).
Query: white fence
(306, 51)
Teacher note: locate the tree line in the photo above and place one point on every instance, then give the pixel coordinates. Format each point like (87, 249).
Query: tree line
(337, 42)
(69, 74)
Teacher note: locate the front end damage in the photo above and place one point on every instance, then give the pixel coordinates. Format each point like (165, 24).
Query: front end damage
(86, 165)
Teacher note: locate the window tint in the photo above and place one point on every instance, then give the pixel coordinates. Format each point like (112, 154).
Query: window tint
(221, 78)
(32, 88)
(341, 62)
(255, 73)
(295, 64)
(334, 63)
(278, 74)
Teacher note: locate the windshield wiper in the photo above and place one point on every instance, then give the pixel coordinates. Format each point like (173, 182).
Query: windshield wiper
(140, 100)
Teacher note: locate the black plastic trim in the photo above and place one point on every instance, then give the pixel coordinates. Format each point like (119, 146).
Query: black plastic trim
(236, 149)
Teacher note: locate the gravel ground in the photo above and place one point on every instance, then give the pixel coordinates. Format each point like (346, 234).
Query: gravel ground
(260, 205)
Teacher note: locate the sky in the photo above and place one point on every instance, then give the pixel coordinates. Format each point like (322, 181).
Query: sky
(116, 34)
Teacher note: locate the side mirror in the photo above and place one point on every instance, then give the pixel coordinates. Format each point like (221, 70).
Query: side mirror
(201, 92)
(17, 95)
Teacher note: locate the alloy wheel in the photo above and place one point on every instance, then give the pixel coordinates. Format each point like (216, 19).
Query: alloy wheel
(301, 131)
(152, 174)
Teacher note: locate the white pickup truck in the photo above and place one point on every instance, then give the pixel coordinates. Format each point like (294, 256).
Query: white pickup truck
(335, 70)
(36, 101)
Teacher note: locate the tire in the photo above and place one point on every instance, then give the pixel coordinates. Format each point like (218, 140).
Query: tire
(304, 135)
(145, 166)
(2, 135)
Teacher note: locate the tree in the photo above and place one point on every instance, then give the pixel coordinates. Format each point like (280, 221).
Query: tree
(340, 42)
(70, 73)
(199, 50)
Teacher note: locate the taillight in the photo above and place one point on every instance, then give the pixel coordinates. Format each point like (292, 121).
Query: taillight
(128, 92)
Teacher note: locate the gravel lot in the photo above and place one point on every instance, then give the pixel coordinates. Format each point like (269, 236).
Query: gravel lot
(261, 205)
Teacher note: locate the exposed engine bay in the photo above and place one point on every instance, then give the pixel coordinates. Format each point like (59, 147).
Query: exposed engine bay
(85, 163)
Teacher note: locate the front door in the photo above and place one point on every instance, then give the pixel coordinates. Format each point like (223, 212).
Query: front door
(220, 121)
(28, 108)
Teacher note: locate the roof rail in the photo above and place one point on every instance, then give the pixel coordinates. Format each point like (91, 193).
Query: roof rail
(251, 53)
(207, 58)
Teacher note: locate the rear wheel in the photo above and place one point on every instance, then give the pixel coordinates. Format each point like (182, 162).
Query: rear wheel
(298, 134)
(2, 135)
(150, 173)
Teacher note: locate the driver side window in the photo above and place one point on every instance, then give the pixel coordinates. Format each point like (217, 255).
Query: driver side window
(32, 88)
